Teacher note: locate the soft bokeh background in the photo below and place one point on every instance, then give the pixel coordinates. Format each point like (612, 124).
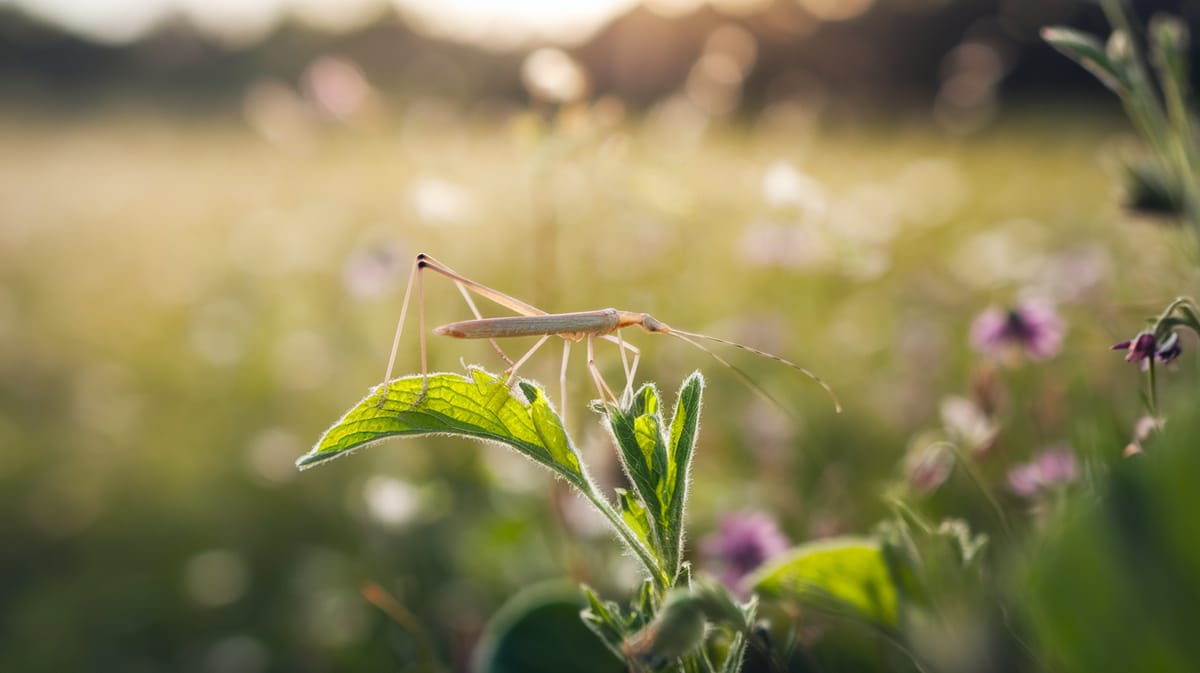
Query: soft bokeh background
(208, 211)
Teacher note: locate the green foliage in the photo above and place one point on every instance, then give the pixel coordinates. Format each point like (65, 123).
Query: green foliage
(843, 575)
(1157, 104)
(929, 562)
(650, 519)
(1116, 581)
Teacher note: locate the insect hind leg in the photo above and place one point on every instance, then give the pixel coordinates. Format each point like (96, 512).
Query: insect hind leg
(606, 393)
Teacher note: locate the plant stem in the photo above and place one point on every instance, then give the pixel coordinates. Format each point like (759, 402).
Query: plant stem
(969, 468)
(661, 581)
(1153, 395)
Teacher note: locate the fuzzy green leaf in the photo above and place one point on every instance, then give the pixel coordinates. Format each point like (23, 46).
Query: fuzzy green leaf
(633, 513)
(839, 574)
(550, 428)
(685, 422)
(658, 465)
(642, 449)
(479, 407)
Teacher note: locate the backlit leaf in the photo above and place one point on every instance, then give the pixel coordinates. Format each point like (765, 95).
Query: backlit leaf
(481, 407)
(839, 574)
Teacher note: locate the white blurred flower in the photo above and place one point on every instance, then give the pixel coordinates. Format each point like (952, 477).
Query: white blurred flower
(438, 201)
(391, 502)
(784, 186)
(550, 74)
(967, 424)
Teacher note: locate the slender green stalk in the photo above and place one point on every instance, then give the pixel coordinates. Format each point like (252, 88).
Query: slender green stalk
(969, 468)
(661, 581)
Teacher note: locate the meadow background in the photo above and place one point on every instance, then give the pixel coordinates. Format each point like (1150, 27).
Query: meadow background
(201, 267)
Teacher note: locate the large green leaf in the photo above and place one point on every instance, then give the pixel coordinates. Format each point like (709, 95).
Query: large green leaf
(839, 574)
(480, 406)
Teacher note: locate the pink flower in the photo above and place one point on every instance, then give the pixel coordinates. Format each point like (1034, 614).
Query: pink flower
(741, 544)
(1053, 468)
(1033, 327)
(1145, 346)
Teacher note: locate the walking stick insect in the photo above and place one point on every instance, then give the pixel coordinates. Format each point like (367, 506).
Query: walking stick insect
(571, 327)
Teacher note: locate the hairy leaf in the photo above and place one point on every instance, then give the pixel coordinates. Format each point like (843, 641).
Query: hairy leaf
(657, 464)
(633, 513)
(643, 451)
(685, 422)
(480, 406)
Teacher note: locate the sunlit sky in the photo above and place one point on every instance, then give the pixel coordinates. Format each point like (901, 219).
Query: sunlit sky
(496, 23)
(243, 21)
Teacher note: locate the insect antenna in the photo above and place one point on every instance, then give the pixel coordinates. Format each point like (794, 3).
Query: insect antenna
(691, 337)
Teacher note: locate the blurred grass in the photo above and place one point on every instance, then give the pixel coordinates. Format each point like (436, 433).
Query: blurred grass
(184, 306)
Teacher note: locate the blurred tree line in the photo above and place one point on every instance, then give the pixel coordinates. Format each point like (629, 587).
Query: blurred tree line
(896, 52)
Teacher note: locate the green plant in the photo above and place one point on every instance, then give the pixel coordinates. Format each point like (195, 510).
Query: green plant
(674, 622)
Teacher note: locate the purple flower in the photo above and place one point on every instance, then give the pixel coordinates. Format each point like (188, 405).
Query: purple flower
(1033, 327)
(1170, 348)
(1145, 346)
(1053, 468)
(741, 544)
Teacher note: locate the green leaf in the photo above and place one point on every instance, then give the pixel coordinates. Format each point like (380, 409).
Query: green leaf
(838, 574)
(1088, 51)
(658, 466)
(550, 428)
(633, 513)
(685, 422)
(479, 407)
(604, 620)
(641, 447)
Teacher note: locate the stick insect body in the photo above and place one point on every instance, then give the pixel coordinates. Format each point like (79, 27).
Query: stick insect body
(571, 327)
